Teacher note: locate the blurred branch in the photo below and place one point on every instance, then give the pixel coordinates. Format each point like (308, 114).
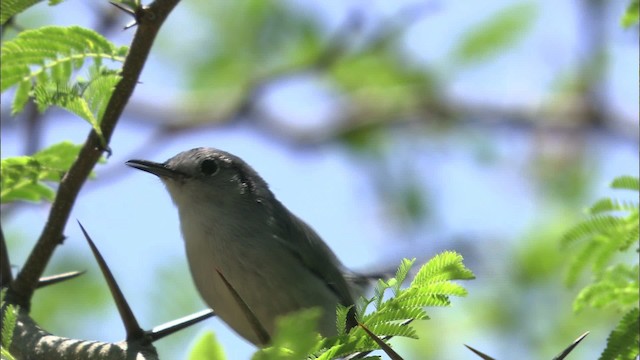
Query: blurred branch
(570, 118)
(33, 127)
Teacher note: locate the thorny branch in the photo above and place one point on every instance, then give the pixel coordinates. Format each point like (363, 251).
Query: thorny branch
(29, 338)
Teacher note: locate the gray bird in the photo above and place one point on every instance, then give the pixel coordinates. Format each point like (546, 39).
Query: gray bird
(234, 226)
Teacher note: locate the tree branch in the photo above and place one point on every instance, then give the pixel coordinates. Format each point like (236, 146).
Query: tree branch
(32, 342)
(149, 20)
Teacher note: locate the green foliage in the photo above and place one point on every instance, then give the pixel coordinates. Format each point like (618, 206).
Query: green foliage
(41, 63)
(295, 337)
(248, 40)
(10, 8)
(9, 318)
(381, 84)
(617, 287)
(24, 177)
(622, 343)
(496, 34)
(86, 99)
(386, 314)
(612, 228)
(207, 347)
(631, 16)
(626, 182)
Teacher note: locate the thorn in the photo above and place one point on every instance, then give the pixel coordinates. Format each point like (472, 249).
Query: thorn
(54, 279)
(129, 12)
(131, 326)
(383, 345)
(108, 150)
(171, 327)
(261, 333)
(130, 25)
(482, 355)
(570, 348)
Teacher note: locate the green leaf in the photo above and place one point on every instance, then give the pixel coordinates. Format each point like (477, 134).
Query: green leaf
(623, 341)
(401, 274)
(9, 8)
(631, 15)
(393, 329)
(496, 34)
(10, 316)
(597, 224)
(444, 266)
(341, 318)
(626, 182)
(207, 347)
(48, 53)
(607, 204)
(22, 177)
(616, 287)
(395, 313)
(21, 97)
(296, 337)
(41, 62)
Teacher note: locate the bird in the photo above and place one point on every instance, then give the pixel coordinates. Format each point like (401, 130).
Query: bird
(251, 259)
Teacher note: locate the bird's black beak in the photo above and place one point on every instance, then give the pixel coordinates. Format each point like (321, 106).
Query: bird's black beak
(158, 169)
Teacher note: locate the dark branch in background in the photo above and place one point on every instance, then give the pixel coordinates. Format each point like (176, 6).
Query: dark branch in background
(33, 127)
(462, 113)
(150, 19)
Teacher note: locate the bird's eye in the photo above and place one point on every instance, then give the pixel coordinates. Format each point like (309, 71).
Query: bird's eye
(209, 167)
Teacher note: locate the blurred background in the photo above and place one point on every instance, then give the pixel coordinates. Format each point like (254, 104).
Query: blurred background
(395, 129)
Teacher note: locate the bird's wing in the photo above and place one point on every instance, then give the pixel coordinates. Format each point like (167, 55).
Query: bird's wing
(313, 253)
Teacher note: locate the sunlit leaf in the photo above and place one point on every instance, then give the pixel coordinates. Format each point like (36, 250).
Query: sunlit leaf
(495, 35)
(207, 347)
